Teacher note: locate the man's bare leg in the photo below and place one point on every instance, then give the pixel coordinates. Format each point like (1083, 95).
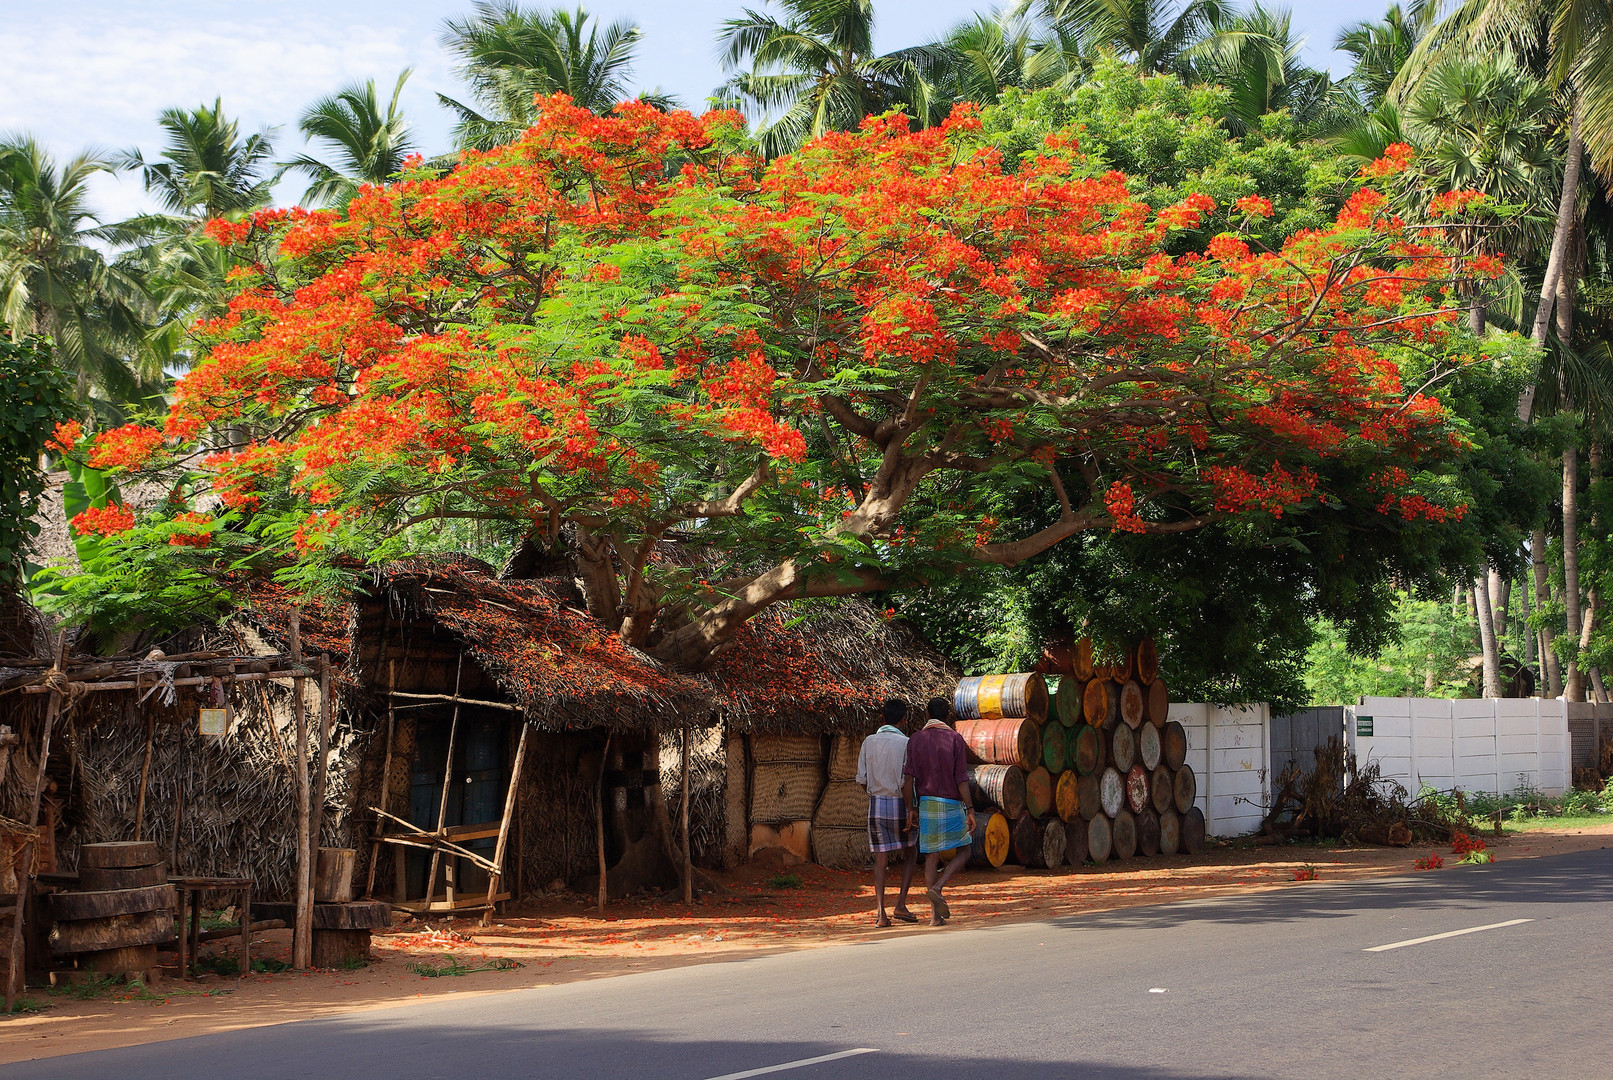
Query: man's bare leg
(881, 859)
(910, 862)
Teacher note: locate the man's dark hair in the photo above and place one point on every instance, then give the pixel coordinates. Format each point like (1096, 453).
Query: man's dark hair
(895, 712)
(938, 708)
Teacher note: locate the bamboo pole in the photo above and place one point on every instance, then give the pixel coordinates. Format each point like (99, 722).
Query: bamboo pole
(302, 936)
(386, 779)
(599, 805)
(15, 961)
(510, 798)
(316, 807)
(683, 816)
(145, 771)
(456, 699)
(447, 780)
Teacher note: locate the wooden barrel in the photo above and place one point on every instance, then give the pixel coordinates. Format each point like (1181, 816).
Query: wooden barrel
(1098, 702)
(1112, 791)
(1124, 828)
(1157, 705)
(1075, 842)
(1039, 792)
(1026, 840)
(1123, 668)
(1187, 789)
(1148, 831)
(1131, 704)
(1100, 839)
(1050, 852)
(1193, 831)
(1081, 660)
(991, 840)
(1148, 746)
(1058, 658)
(1000, 786)
(1067, 795)
(1055, 747)
(1002, 741)
(1162, 789)
(1122, 748)
(1086, 750)
(1147, 661)
(1089, 794)
(1174, 741)
(1170, 831)
(986, 697)
(1137, 789)
(1067, 703)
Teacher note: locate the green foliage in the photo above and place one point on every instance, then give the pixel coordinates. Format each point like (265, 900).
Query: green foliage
(34, 397)
(1429, 659)
(784, 881)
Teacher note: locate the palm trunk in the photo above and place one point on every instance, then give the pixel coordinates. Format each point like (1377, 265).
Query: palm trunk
(1551, 670)
(1574, 680)
(1567, 210)
(1492, 664)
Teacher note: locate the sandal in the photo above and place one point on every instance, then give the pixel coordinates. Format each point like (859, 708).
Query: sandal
(904, 916)
(938, 903)
(881, 924)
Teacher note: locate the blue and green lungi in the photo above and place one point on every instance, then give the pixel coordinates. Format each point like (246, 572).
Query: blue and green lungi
(943, 824)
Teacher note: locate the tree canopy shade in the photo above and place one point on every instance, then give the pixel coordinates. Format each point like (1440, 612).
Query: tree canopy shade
(720, 384)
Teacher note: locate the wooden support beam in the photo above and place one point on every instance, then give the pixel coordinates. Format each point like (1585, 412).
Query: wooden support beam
(194, 680)
(599, 805)
(15, 962)
(327, 718)
(145, 770)
(688, 861)
(447, 779)
(386, 777)
(510, 798)
(456, 700)
(302, 934)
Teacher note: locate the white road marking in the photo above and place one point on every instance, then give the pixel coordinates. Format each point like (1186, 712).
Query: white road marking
(1447, 934)
(801, 1064)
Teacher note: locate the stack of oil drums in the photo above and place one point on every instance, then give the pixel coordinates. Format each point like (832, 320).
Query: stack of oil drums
(1082, 763)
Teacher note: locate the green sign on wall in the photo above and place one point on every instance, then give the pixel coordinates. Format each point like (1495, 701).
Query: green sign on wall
(1363, 727)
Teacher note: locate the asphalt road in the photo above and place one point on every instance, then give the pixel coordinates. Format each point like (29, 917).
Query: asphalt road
(1276, 985)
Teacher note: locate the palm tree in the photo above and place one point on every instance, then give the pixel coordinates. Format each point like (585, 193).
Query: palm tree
(206, 170)
(1382, 48)
(510, 54)
(1255, 55)
(369, 145)
(813, 69)
(989, 54)
(1155, 35)
(55, 279)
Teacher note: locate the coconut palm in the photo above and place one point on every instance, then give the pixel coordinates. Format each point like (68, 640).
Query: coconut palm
(369, 144)
(989, 54)
(1156, 35)
(56, 280)
(1382, 48)
(1255, 55)
(812, 69)
(509, 54)
(206, 170)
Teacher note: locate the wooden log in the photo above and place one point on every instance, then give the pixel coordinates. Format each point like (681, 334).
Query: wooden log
(999, 786)
(1148, 832)
(97, 879)
(1170, 831)
(1137, 789)
(1081, 660)
(121, 855)
(1075, 842)
(1162, 789)
(1098, 702)
(333, 875)
(1193, 831)
(1157, 703)
(1050, 852)
(992, 838)
(1112, 791)
(1124, 827)
(1002, 741)
(75, 906)
(1089, 794)
(1023, 694)
(1173, 738)
(1122, 748)
(1100, 839)
(1149, 747)
(1067, 795)
(1026, 840)
(137, 960)
(1086, 750)
(1131, 704)
(337, 948)
(358, 915)
(1067, 701)
(1147, 661)
(1187, 789)
(1039, 792)
(1055, 748)
(117, 932)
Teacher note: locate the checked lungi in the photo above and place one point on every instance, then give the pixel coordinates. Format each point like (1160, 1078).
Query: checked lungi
(887, 817)
(943, 824)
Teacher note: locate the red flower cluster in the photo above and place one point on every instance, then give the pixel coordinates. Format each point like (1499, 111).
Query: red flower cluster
(1255, 206)
(108, 520)
(196, 530)
(1462, 843)
(65, 436)
(1433, 861)
(126, 447)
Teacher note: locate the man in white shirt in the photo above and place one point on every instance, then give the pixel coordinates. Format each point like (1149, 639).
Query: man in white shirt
(880, 764)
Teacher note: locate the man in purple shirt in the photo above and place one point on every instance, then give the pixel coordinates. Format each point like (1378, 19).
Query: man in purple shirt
(937, 789)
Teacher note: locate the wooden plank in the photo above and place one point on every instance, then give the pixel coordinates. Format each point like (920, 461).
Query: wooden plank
(510, 796)
(474, 832)
(421, 907)
(457, 700)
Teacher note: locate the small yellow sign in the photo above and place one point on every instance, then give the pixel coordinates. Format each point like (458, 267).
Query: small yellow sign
(214, 722)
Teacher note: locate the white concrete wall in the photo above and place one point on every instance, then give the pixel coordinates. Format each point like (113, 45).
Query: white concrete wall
(1477, 744)
(1229, 751)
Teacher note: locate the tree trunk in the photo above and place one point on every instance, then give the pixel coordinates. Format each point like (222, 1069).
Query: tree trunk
(1567, 211)
(1574, 679)
(1530, 653)
(1551, 673)
(1496, 586)
(1492, 663)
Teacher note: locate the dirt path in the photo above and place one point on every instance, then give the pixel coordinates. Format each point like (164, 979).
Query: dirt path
(559, 939)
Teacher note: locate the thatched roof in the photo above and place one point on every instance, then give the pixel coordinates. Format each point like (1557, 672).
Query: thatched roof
(817, 668)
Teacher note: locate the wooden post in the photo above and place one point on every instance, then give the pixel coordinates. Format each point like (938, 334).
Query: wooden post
(386, 778)
(599, 803)
(246, 933)
(447, 779)
(145, 770)
(316, 807)
(510, 798)
(302, 934)
(15, 962)
(683, 815)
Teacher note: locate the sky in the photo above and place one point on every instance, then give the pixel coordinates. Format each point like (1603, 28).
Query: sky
(96, 73)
